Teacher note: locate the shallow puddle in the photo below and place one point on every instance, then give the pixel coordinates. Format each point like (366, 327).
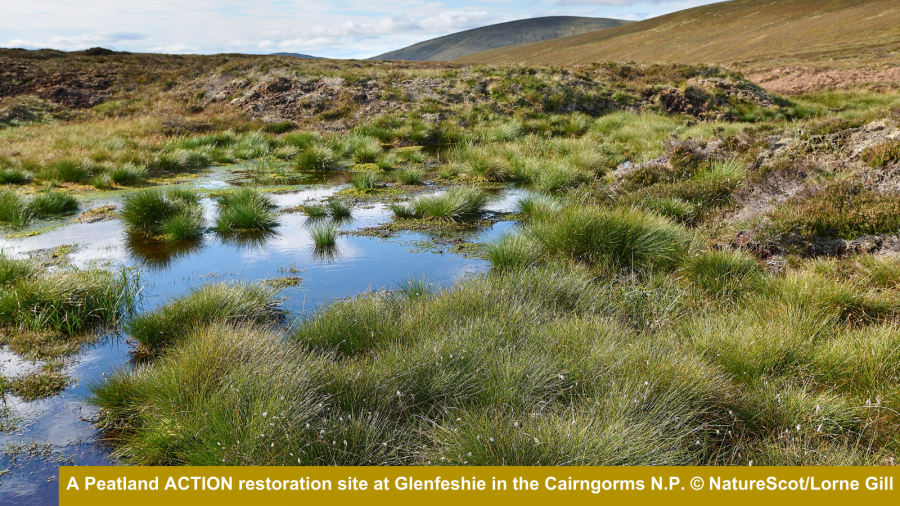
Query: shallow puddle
(57, 431)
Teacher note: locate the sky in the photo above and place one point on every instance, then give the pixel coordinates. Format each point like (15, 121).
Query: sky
(342, 29)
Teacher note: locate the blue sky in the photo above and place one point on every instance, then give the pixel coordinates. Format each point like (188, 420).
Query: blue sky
(346, 29)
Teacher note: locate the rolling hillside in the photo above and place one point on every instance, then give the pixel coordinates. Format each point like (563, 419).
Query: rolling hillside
(523, 31)
(756, 33)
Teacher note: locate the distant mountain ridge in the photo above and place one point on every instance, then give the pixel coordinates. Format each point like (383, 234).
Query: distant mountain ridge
(298, 55)
(523, 31)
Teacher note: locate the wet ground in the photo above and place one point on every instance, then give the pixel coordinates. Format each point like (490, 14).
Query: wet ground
(57, 431)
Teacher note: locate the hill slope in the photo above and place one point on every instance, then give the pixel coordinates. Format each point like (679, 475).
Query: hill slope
(522, 31)
(298, 55)
(755, 32)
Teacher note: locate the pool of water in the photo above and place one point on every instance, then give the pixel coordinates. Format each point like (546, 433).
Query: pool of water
(57, 431)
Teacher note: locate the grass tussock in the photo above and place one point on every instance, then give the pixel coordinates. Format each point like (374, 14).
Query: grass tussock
(174, 214)
(615, 237)
(65, 302)
(218, 302)
(323, 234)
(455, 204)
(245, 210)
(17, 211)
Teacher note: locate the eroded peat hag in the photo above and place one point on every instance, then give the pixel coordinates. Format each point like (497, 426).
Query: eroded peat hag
(642, 264)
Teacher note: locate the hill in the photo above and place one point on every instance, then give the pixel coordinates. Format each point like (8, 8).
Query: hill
(754, 33)
(523, 31)
(298, 55)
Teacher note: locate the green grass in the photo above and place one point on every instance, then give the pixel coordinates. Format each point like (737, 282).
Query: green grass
(128, 175)
(68, 301)
(616, 237)
(514, 251)
(14, 176)
(338, 209)
(13, 209)
(51, 203)
(323, 234)
(232, 303)
(364, 149)
(245, 210)
(455, 204)
(260, 385)
(174, 214)
(12, 269)
(724, 273)
(316, 210)
(410, 176)
(415, 287)
(403, 211)
(365, 181)
(316, 157)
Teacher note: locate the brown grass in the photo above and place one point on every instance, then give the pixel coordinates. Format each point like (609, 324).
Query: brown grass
(755, 33)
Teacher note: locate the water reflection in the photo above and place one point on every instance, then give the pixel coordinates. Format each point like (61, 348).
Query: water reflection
(325, 254)
(159, 255)
(247, 239)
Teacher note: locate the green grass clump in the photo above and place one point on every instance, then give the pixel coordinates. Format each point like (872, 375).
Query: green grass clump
(514, 251)
(338, 209)
(617, 237)
(66, 170)
(410, 176)
(416, 287)
(323, 234)
(455, 204)
(365, 181)
(14, 176)
(386, 161)
(67, 301)
(52, 204)
(403, 211)
(724, 273)
(236, 396)
(12, 269)
(40, 383)
(365, 149)
(486, 165)
(315, 210)
(536, 205)
(128, 174)
(316, 157)
(13, 209)
(245, 210)
(843, 208)
(559, 176)
(174, 214)
(213, 303)
(671, 207)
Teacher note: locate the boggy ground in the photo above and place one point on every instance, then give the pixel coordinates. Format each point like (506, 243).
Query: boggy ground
(703, 273)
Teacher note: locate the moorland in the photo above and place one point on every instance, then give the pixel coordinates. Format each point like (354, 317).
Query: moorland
(695, 271)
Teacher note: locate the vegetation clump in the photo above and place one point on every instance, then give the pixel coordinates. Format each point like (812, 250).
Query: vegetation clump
(173, 214)
(219, 302)
(455, 204)
(843, 208)
(245, 210)
(616, 237)
(17, 211)
(66, 301)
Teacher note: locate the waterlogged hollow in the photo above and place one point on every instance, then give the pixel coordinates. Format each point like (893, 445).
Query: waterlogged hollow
(57, 430)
